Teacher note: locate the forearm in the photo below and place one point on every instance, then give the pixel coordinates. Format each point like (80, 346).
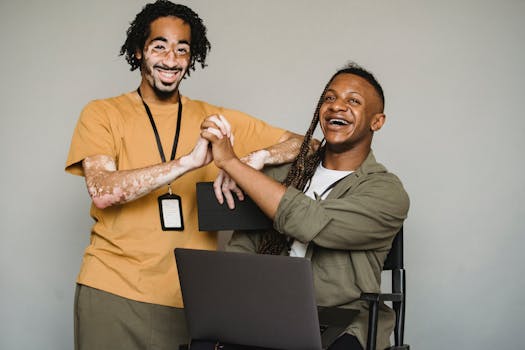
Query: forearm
(265, 191)
(366, 217)
(108, 187)
(284, 151)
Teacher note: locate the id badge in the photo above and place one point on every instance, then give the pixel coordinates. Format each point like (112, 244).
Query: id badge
(170, 207)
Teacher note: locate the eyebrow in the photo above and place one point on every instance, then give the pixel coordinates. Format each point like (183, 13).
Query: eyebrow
(346, 92)
(163, 39)
(159, 38)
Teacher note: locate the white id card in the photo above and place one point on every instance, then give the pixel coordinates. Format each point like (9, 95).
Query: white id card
(171, 212)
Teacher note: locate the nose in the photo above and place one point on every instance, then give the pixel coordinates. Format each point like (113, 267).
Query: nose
(338, 105)
(169, 58)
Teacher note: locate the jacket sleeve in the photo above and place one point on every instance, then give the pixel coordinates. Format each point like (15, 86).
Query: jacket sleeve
(242, 242)
(366, 217)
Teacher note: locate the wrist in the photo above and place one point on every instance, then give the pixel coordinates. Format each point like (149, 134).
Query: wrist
(187, 163)
(227, 164)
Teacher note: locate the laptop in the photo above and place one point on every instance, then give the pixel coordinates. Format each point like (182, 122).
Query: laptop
(264, 301)
(215, 217)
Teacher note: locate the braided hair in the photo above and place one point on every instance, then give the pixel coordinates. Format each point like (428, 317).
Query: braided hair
(139, 30)
(305, 164)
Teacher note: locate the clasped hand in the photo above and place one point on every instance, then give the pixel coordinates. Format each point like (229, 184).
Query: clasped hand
(217, 131)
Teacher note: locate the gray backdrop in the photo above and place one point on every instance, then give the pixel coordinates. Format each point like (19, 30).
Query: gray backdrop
(452, 72)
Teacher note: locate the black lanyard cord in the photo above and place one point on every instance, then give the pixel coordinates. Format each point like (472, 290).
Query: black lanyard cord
(332, 185)
(157, 136)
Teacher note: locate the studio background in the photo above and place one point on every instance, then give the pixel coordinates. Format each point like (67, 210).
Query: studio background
(453, 75)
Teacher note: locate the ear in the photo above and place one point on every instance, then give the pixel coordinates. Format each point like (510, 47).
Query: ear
(138, 54)
(377, 122)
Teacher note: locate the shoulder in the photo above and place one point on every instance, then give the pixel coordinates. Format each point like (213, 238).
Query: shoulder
(232, 115)
(371, 168)
(123, 106)
(374, 178)
(126, 100)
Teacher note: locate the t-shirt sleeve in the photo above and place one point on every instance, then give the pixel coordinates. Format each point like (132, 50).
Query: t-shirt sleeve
(250, 133)
(93, 135)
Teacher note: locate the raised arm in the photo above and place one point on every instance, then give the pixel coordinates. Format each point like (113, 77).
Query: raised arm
(265, 191)
(108, 186)
(284, 151)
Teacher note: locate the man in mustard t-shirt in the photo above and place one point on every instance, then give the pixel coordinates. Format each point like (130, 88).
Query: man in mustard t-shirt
(133, 151)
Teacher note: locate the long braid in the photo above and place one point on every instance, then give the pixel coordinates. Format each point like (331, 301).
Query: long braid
(301, 171)
(304, 166)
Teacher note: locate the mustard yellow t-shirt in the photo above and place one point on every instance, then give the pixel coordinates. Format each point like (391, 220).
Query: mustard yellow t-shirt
(129, 254)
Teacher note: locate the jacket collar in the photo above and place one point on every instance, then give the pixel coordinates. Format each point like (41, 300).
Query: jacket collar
(369, 166)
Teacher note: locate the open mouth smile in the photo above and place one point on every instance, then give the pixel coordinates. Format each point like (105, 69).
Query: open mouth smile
(168, 75)
(338, 122)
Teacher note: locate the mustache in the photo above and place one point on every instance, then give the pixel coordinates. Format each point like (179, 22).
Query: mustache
(163, 67)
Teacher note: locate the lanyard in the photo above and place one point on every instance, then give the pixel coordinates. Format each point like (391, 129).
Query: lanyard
(332, 186)
(157, 137)
(328, 188)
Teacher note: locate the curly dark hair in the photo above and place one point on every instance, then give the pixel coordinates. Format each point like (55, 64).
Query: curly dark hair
(305, 164)
(139, 31)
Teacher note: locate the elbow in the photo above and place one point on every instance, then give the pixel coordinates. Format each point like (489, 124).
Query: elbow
(100, 203)
(103, 200)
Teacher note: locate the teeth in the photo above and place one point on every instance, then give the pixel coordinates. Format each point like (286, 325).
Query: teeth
(168, 74)
(338, 122)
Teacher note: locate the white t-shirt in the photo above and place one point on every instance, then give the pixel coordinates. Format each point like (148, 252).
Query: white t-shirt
(320, 184)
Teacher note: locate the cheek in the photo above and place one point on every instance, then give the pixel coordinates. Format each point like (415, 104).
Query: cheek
(148, 55)
(148, 51)
(322, 110)
(185, 62)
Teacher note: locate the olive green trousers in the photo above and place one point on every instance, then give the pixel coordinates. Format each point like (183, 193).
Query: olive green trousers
(107, 321)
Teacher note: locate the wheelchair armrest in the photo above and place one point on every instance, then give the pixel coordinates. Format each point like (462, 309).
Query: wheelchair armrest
(377, 297)
(373, 300)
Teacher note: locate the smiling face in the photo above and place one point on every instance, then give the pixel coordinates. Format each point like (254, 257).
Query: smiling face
(350, 112)
(165, 58)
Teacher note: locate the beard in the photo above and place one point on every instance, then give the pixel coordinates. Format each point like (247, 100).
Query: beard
(164, 95)
(162, 92)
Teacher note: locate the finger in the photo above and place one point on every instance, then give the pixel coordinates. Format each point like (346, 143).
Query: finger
(205, 134)
(217, 184)
(228, 195)
(208, 122)
(219, 123)
(235, 189)
(215, 132)
(227, 125)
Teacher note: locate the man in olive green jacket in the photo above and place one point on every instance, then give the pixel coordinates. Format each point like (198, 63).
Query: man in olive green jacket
(338, 207)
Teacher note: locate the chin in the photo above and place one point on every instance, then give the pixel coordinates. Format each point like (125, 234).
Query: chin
(164, 94)
(338, 147)
(160, 87)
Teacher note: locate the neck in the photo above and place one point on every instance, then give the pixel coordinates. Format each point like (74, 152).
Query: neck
(347, 160)
(151, 96)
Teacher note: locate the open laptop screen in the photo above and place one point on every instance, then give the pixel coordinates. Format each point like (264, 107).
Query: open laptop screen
(259, 300)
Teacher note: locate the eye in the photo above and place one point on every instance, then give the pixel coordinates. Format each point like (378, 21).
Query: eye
(329, 98)
(182, 51)
(159, 47)
(354, 101)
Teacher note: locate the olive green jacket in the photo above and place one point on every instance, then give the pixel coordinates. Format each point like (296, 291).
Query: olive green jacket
(350, 234)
